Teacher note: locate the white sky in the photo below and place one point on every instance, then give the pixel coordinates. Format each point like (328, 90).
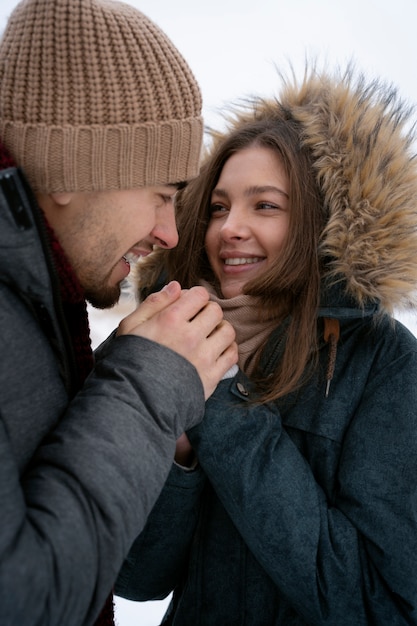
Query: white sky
(233, 45)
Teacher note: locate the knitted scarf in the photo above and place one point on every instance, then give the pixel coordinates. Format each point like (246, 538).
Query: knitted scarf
(251, 332)
(75, 311)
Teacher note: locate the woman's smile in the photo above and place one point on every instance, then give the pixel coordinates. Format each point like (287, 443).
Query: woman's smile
(248, 218)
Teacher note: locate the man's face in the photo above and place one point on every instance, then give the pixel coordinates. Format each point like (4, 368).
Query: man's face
(98, 229)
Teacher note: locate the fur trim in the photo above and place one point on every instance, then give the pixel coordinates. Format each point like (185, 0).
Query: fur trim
(360, 137)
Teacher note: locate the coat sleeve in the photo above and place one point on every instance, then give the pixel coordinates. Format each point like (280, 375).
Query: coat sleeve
(69, 521)
(157, 559)
(349, 561)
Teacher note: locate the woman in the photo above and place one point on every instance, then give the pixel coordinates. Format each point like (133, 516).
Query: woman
(299, 502)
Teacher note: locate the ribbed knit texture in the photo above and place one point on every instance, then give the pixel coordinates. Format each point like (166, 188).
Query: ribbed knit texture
(94, 96)
(242, 312)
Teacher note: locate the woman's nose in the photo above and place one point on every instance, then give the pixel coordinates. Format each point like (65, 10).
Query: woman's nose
(235, 226)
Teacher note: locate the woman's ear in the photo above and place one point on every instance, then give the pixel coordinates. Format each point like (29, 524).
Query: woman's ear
(61, 199)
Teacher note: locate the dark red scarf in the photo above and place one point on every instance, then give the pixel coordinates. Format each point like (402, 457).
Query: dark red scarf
(75, 310)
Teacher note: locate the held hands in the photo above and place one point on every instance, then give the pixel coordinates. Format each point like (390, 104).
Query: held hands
(188, 323)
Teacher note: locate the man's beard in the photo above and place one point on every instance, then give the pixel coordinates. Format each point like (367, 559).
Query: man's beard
(104, 298)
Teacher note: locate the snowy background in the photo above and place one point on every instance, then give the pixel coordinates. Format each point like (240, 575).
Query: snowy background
(233, 47)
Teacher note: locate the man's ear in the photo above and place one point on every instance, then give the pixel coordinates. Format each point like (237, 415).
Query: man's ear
(61, 199)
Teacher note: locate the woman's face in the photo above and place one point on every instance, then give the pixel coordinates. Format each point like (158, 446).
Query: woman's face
(249, 218)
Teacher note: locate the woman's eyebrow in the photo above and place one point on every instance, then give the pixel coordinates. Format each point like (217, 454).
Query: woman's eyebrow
(253, 190)
(221, 193)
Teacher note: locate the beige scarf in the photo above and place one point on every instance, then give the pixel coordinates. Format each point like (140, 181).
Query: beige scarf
(243, 313)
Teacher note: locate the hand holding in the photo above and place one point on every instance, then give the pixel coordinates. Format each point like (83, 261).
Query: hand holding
(188, 323)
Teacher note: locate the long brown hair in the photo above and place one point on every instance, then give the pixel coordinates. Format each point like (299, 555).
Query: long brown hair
(292, 286)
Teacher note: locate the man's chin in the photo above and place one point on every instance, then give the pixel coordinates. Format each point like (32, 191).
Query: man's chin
(105, 298)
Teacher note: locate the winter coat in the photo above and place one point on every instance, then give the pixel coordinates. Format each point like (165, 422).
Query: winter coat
(304, 511)
(79, 473)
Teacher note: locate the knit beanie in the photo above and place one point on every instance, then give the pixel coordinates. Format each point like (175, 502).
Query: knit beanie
(94, 96)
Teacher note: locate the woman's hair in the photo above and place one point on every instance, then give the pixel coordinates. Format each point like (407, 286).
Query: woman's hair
(292, 285)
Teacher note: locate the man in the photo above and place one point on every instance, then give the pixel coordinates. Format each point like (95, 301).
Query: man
(102, 116)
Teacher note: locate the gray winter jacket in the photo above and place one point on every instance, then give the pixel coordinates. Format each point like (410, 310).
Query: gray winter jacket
(80, 474)
(304, 511)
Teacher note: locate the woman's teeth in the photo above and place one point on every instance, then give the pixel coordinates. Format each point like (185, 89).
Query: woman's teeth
(242, 261)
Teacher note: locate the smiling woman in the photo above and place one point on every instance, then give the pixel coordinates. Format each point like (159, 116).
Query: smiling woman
(248, 218)
(331, 30)
(308, 249)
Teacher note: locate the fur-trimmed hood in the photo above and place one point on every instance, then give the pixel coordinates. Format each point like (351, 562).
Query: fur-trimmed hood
(360, 137)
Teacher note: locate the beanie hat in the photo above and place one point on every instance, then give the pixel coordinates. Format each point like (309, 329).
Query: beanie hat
(94, 96)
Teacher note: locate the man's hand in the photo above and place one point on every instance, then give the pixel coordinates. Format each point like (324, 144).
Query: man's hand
(188, 323)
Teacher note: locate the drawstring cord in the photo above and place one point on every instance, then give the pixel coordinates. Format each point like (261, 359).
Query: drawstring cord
(331, 336)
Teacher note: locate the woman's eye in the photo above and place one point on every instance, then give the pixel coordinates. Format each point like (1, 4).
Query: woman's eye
(217, 209)
(268, 206)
